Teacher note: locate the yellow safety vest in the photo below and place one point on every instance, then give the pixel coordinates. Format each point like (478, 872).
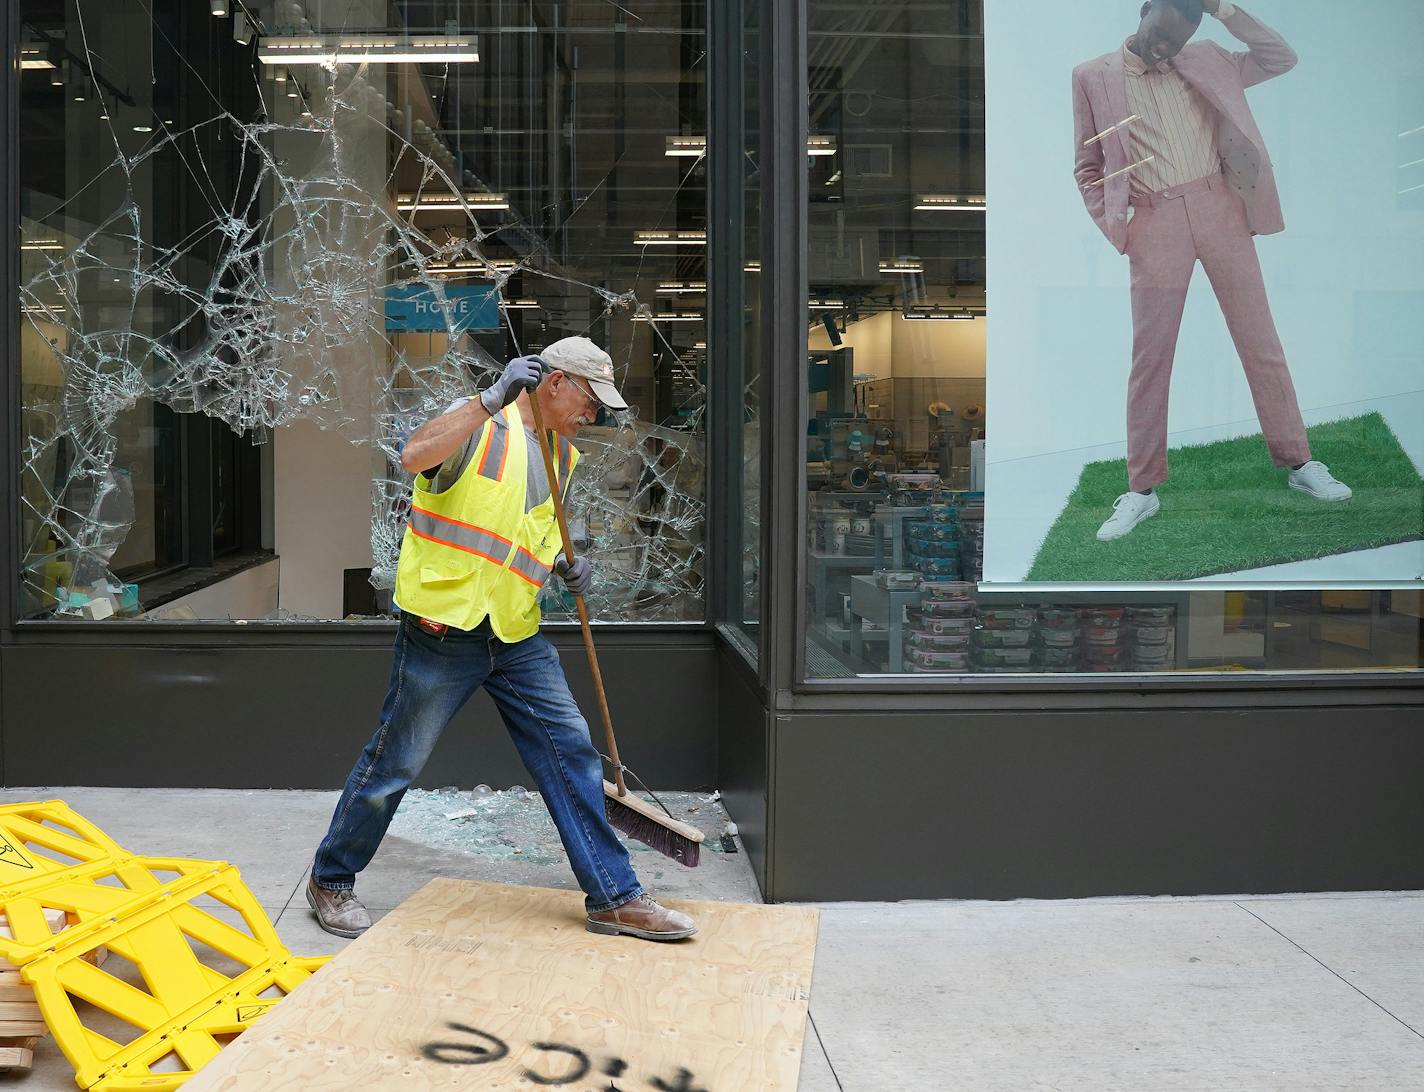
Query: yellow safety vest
(483, 548)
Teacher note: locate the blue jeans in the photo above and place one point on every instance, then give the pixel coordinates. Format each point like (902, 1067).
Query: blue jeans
(431, 678)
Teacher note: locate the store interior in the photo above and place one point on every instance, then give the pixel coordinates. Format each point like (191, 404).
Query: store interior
(895, 550)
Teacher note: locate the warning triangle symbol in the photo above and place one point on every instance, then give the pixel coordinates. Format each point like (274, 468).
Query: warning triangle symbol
(10, 854)
(252, 1012)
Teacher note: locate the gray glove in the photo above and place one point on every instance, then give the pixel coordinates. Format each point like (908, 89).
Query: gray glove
(578, 577)
(522, 374)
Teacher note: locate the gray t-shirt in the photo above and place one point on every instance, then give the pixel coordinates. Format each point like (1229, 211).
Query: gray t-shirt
(448, 472)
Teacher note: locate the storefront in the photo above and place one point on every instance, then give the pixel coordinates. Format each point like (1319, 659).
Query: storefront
(252, 244)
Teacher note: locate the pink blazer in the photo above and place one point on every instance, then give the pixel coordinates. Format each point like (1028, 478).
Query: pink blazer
(1100, 101)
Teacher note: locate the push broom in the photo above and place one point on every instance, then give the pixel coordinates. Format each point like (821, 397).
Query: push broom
(635, 817)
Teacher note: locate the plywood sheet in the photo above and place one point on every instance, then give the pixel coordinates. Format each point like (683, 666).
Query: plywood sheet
(471, 985)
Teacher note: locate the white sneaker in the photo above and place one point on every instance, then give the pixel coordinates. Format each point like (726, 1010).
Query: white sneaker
(1129, 510)
(1314, 479)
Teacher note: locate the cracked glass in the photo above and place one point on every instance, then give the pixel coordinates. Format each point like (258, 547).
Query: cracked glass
(262, 242)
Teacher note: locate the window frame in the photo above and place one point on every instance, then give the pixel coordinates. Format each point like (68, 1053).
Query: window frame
(785, 99)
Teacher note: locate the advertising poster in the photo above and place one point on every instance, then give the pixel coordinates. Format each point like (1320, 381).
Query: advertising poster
(1206, 277)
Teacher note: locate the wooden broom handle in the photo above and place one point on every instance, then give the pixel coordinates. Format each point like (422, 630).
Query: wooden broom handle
(556, 491)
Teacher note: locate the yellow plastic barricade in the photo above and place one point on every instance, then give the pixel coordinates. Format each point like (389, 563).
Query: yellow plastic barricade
(195, 980)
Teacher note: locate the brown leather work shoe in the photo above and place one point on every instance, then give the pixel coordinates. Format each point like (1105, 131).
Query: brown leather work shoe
(642, 918)
(338, 912)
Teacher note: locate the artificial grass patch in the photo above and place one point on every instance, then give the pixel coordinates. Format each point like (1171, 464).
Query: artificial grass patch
(1226, 508)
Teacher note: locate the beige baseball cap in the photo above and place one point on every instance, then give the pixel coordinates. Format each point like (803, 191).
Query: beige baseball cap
(581, 357)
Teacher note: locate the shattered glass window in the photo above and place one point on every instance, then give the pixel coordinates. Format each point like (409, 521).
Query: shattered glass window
(264, 241)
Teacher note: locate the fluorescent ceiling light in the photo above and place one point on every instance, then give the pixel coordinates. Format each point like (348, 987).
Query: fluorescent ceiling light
(693, 147)
(34, 58)
(520, 305)
(826, 305)
(218, 7)
(956, 313)
(699, 345)
(943, 202)
(370, 49)
(451, 202)
(753, 266)
(467, 268)
(27, 310)
(682, 288)
(670, 238)
(143, 128)
(899, 265)
(670, 316)
(696, 146)
(42, 244)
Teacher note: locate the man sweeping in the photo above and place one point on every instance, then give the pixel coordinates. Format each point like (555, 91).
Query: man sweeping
(481, 543)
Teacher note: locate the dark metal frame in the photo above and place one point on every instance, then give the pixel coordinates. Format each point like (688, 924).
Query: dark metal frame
(195, 454)
(9, 320)
(784, 184)
(725, 218)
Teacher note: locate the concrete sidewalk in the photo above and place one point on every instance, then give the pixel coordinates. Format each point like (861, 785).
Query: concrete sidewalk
(1289, 992)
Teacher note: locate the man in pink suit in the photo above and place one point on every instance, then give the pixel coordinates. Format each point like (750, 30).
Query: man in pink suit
(1174, 171)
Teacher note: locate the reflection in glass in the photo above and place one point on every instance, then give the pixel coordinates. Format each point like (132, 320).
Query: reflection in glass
(898, 419)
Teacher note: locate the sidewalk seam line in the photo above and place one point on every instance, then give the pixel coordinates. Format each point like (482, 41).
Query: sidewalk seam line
(286, 905)
(1336, 973)
(826, 1054)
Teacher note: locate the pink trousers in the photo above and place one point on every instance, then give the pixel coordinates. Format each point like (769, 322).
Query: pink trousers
(1168, 233)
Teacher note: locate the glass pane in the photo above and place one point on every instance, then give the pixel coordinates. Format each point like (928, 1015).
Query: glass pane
(898, 373)
(252, 266)
(749, 540)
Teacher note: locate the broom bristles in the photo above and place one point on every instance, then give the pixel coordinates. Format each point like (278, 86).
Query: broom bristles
(653, 832)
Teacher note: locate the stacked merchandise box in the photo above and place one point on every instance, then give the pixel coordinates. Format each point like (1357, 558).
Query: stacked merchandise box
(1153, 632)
(932, 543)
(1059, 639)
(912, 490)
(971, 536)
(1004, 640)
(1128, 638)
(1105, 639)
(939, 631)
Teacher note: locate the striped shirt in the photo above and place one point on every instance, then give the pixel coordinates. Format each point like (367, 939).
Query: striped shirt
(1175, 126)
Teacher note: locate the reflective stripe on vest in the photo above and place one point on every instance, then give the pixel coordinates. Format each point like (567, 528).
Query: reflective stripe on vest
(527, 565)
(566, 456)
(496, 451)
(460, 536)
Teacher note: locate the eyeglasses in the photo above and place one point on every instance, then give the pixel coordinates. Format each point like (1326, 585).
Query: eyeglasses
(593, 399)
